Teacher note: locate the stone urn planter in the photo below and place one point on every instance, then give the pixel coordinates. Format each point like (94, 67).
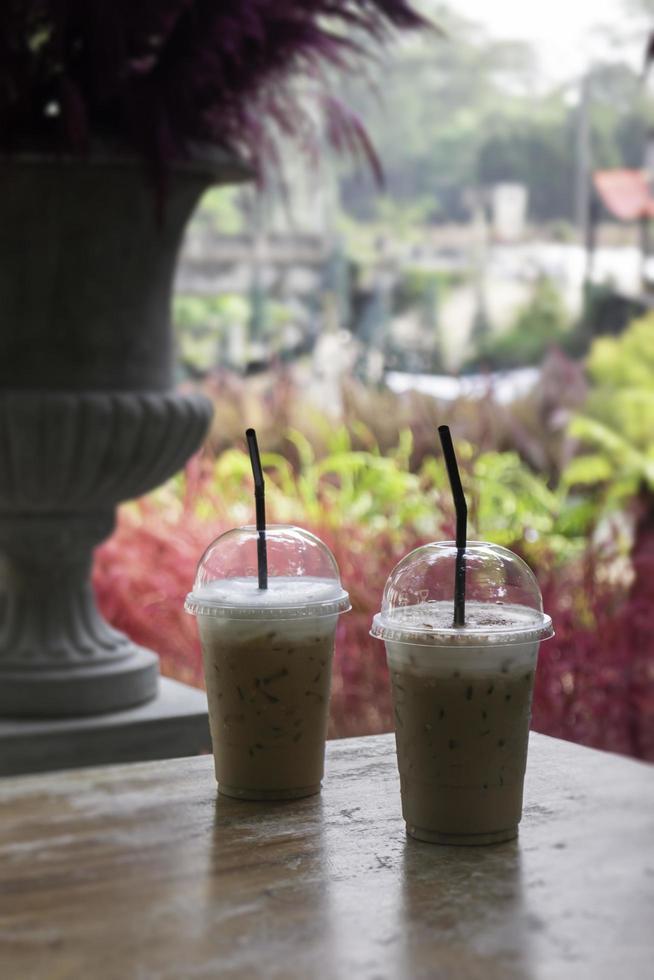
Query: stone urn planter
(88, 415)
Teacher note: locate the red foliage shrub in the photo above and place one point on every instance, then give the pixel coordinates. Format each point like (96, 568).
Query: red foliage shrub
(141, 577)
(595, 680)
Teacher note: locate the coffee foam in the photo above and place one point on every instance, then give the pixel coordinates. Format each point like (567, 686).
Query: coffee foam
(268, 633)
(285, 598)
(431, 623)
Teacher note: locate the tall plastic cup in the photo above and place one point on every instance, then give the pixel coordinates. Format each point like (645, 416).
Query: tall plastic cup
(267, 657)
(462, 695)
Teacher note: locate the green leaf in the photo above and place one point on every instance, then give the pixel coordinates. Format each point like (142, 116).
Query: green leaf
(589, 469)
(303, 446)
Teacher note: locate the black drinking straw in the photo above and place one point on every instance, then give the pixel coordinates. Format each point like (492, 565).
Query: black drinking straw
(260, 505)
(461, 509)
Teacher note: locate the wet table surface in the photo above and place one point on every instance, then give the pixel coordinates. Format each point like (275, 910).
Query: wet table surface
(140, 872)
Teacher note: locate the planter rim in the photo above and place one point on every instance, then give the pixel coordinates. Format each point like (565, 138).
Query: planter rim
(203, 159)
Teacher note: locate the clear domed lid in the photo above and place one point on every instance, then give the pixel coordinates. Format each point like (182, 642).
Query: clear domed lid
(303, 577)
(502, 599)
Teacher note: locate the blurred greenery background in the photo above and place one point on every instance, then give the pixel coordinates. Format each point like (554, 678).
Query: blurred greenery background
(486, 285)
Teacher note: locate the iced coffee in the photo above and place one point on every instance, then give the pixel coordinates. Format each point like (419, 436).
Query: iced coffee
(462, 696)
(267, 661)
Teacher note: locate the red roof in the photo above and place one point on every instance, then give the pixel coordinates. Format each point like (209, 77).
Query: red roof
(625, 193)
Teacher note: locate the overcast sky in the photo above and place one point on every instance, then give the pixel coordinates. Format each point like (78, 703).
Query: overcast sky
(563, 31)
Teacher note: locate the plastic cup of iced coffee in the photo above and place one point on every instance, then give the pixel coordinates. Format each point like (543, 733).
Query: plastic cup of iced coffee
(267, 657)
(462, 694)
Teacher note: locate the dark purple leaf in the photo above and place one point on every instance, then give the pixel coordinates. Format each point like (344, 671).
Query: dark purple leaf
(161, 74)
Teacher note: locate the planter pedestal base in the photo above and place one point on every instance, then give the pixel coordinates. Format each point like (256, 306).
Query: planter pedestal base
(174, 724)
(93, 689)
(66, 458)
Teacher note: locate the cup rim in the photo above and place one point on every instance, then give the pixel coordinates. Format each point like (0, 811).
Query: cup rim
(454, 637)
(334, 606)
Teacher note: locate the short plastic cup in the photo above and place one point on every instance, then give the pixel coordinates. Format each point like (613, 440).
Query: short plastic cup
(462, 695)
(267, 657)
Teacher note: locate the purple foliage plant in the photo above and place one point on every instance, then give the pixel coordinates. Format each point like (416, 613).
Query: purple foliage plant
(158, 76)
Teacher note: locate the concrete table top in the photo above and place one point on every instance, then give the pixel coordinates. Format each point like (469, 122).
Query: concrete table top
(140, 872)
